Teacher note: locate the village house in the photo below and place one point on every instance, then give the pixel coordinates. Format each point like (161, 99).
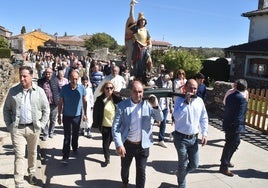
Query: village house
(28, 41)
(5, 33)
(250, 60)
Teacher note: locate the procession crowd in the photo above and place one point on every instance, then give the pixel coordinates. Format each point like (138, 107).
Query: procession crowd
(82, 93)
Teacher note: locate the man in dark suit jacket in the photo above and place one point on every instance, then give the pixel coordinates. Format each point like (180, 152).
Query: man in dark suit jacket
(233, 124)
(51, 87)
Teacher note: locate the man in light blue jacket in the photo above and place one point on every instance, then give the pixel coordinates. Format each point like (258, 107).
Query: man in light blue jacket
(132, 132)
(26, 112)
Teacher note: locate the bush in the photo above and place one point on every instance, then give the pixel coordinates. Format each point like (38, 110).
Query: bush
(5, 53)
(174, 60)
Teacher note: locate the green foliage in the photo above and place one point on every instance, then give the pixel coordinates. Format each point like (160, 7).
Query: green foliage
(23, 30)
(204, 53)
(174, 60)
(156, 57)
(101, 40)
(3, 42)
(5, 53)
(120, 50)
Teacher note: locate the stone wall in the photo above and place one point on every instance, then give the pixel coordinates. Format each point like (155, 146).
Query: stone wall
(215, 97)
(6, 78)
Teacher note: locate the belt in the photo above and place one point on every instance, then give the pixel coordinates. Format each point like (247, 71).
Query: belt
(130, 142)
(25, 124)
(186, 136)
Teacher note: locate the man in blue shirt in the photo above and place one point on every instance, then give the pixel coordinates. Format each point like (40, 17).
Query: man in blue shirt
(189, 114)
(72, 99)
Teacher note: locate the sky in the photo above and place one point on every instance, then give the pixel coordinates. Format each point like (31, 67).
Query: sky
(186, 23)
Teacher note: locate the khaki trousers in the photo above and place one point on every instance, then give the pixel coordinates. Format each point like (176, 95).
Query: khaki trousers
(20, 138)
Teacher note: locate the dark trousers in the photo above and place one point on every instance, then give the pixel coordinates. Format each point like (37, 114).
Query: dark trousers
(107, 139)
(141, 155)
(162, 127)
(71, 126)
(232, 141)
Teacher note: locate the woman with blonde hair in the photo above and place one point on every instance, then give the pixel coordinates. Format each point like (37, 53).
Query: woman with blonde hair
(103, 115)
(179, 82)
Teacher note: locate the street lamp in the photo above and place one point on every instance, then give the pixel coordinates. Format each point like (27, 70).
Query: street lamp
(56, 35)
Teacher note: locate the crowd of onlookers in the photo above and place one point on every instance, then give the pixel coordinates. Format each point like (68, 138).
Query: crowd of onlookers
(96, 73)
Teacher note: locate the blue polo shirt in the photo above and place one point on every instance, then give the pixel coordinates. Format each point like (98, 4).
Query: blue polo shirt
(72, 100)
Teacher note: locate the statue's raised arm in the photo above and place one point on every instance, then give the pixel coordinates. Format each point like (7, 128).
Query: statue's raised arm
(129, 37)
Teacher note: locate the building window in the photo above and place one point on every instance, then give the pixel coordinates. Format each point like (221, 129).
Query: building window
(257, 68)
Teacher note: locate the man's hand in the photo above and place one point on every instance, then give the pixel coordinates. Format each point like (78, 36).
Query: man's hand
(204, 140)
(153, 100)
(84, 117)
(188, 97)
(59, 119)
(121, 151)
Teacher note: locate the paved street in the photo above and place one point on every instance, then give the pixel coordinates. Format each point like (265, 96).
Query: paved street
(84, 169)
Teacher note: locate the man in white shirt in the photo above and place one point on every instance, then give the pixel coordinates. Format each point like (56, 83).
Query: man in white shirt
(117, 80)
(189, 113)
(26, 112)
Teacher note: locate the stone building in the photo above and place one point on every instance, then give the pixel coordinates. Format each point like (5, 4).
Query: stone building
(5, 33)
(163, 45)
(250, 60)
(71, 44)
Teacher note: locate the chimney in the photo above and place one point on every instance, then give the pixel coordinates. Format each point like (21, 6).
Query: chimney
(262, 4)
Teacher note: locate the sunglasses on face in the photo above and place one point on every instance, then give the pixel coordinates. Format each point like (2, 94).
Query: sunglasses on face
(107, 88)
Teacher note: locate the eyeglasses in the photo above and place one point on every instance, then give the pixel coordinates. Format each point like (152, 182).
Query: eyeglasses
(107, 88)
(180, 73)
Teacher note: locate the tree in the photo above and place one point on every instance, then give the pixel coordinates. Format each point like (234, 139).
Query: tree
(174, 60)
(101, 40)
(3, 42)
(23, 30)
(156, 56)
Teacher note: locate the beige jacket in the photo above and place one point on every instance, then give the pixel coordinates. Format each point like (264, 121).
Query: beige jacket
(40, 107)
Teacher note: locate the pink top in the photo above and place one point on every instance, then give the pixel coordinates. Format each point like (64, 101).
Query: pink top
(230, 91)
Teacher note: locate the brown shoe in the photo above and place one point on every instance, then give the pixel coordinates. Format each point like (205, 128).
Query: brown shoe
(226, 172)
(125, 185)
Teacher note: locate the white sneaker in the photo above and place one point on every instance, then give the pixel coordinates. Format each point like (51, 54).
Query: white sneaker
(163, 144)
(89, 135)
(171, 137)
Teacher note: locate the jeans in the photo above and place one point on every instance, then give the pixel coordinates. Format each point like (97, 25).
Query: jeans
(232, 141)
(71, 125)
(49, 128)
(107, 139)
(188, 158)
(23, 136)
(162, 128)
(141, 155)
